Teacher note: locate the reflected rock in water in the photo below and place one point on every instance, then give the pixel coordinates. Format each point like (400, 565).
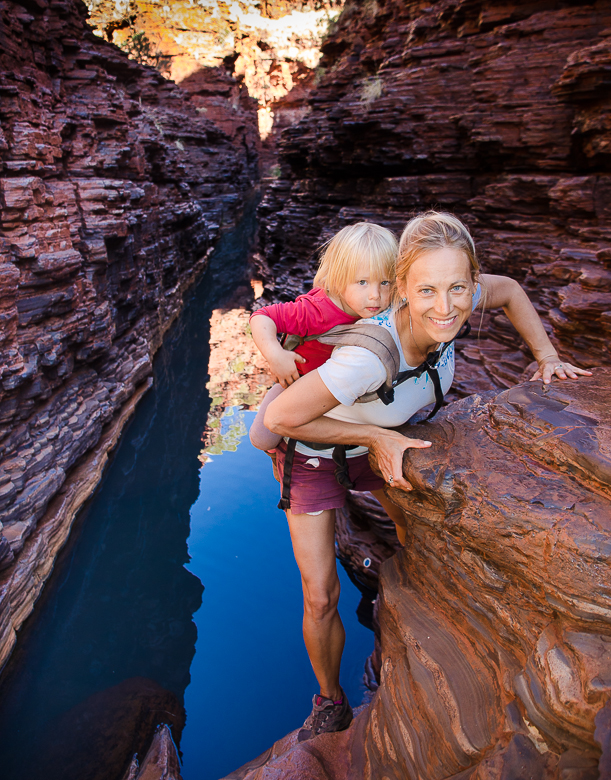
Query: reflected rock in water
(95, 739)
(160, 763)
(238, 378)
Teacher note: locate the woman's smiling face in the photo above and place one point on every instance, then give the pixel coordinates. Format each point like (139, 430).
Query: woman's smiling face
(438, 288)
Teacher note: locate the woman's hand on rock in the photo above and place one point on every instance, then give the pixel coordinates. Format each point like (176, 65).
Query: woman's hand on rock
(388, 448)
(553, 366)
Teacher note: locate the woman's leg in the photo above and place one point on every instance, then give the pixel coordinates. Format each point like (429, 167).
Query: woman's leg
(260, 437)
(395, 514)
(313, 538)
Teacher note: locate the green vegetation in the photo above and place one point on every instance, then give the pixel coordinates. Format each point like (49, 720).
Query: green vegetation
(139, 48)
(371, 89)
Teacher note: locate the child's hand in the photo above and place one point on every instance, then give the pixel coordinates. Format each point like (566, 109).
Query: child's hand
(283, 366)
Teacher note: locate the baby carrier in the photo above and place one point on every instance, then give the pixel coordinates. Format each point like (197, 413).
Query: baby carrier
(378, 340)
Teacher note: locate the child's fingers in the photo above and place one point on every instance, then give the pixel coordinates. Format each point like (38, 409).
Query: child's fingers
(287, 380)
(300, 359)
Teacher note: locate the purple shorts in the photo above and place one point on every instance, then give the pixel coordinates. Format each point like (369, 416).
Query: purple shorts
(314, 487)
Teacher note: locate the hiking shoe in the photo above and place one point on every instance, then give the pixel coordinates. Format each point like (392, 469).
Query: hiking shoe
(326, 716)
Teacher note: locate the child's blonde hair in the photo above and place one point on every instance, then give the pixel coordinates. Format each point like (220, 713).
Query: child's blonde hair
(343, 254)
(434, 230)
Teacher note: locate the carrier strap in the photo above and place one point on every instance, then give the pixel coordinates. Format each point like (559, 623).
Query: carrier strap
(285, 500)
(387, 394)
(376, 339)
(342, 475)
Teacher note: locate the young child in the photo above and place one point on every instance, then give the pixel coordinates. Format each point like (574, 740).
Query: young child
(354, 281)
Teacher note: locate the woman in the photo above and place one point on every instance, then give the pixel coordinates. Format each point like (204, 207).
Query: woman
(438, 285)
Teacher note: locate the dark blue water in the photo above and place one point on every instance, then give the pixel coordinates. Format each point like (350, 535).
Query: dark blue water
(251, 681)
(176, 600)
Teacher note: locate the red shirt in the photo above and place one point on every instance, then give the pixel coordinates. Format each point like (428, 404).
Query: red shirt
(309, 315)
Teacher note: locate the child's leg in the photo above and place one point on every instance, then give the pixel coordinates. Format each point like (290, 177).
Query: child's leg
(260, 437)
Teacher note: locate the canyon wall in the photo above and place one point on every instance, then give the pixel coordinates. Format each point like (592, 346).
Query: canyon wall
(495, 627)
(498, 113)
(270, 50)
(494, 621)
(115, 187)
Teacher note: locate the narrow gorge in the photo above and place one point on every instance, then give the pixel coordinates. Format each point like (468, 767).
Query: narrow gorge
(136, 137)
(115, 190)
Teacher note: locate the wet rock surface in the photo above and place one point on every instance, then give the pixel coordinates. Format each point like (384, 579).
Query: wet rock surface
(497, 114)
(494, 620)
(114, 192)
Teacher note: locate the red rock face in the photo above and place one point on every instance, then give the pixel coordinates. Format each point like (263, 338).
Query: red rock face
(499, 114)
(226, 52)
(495, 619)
(114, 191)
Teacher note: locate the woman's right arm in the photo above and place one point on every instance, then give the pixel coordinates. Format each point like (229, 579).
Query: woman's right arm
(298, 413)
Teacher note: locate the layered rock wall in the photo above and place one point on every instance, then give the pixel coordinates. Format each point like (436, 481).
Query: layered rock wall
(495, 619)
(114, 191)
(499, 114)
(271, 48)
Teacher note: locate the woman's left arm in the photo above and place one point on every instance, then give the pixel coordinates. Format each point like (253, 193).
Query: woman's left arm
(501, 291)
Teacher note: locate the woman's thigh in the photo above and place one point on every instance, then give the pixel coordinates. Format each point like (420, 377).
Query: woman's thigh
(313, 483)
(313, 538)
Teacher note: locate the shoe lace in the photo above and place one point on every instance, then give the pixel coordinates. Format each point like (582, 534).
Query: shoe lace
(319, 716)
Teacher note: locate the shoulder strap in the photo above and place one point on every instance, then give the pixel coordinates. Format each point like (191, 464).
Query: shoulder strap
(430, 366)
(376, 339)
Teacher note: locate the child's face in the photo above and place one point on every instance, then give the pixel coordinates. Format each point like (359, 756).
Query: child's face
(367, 295)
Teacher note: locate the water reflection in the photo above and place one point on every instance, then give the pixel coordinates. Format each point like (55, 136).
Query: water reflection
(110, 649)
(238, 380)
(107, 653)
(251, 679)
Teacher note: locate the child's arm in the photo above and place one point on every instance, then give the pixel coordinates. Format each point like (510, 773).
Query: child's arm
(281, 361)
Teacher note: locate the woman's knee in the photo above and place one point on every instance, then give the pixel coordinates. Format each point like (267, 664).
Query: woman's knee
(320, 603)
(392, 510)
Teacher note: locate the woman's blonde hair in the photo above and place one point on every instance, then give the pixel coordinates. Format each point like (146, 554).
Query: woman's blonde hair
(343, 254)
(434, 230)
